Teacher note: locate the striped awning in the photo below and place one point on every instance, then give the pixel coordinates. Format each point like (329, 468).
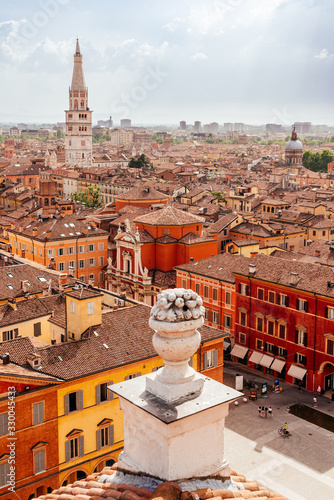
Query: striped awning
(297, 372)
(278, 365)
(266, 360)
(255, 357)
(239, 351)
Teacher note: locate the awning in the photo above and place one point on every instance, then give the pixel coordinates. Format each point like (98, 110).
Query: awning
(296, 372)
(255, 357)
(278, 365)
(226, 344)
(266, 360)
(239, 351)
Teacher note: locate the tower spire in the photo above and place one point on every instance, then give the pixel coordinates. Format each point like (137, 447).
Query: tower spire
(77, 49)
(78, 79)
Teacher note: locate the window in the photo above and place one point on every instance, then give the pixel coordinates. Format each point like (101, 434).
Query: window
(105, 437)
(271, 297)
(39, 461)
(269, 347)
(329, 312)
(184, 283)
(37, 413)
(4, 474)
(81, 264)
(243, 318)
(101, 261)
(330, 347)
(133, 375)
(61, 266)
(215, 294)
(283, 353)
(210, 359)
(91, 248)
(92, 262)
(71, 250)
(243, 289)
(227, 321)
(259, 323)
(37, 329)
(90, 306)
(227, 297)
(259, 344)
(215, 317)
(206, 292)
(74, 448)
(301, 337)
(61, 251)
(242, 338)
(10, 334)
(101, 246)
(3, 424)
(283, 300)
(72, 306)
(198, 288)
(260, 293)
(73, 401)
(82, 248)
(270, 327)
(102, 393)
(282, 330)
(302, 305)
(300, 359)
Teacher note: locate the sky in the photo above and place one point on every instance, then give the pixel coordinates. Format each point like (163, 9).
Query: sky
(159, 61)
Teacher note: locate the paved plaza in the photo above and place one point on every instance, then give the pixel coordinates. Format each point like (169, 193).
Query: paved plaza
(301, 466)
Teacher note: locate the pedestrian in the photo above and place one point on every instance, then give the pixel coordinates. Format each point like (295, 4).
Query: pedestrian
(319, 390)
(262, 411)
(270, 411)
(259, 411)
(315, 402)
(266, 412)
(300, 386)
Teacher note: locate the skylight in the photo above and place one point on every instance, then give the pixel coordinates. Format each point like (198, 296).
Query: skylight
(78, 232)
(10, 275)
(66, 225)
(71, 224)
(105, 345)
(60, 358)
(62, 234)
(96, 334)
(71, 234)
(10, 287)
(29, 225)
(42, 278)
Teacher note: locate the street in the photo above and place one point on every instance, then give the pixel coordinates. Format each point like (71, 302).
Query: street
(301, 466)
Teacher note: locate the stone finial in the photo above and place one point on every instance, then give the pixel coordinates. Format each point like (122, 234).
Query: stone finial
(175, 319)
(178, 305)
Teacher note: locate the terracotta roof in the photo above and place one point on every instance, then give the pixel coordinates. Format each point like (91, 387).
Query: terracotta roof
(125, 332)
(108, 484)
(83, 293)
(141, 193)
(169, 216)
(223, 222)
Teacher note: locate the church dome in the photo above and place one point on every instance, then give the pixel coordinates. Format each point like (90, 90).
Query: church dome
(293, 144)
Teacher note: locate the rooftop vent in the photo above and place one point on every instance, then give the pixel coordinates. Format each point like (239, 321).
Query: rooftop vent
(294, 279)
(252, 269)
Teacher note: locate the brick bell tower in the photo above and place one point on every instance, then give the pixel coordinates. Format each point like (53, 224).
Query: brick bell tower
(78, 141)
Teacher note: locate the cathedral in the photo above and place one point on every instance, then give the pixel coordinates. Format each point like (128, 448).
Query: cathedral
(78, 141)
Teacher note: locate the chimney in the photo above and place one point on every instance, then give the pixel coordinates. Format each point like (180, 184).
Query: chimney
(317, 253)
(252, 269)
(62, 279)
(294, 278)
(5, 359)
(25, 286)
(175, 406)
(12, 303)
(34, 232)
(48, 234)
(85, 230)
(20, 229)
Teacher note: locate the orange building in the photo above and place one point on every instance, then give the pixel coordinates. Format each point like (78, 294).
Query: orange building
(149, 247)
(66, 243)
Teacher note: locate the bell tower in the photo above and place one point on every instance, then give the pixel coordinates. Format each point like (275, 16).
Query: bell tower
(78, 141)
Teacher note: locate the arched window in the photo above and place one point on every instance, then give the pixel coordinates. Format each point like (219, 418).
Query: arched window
(76, 104)
(82, 104)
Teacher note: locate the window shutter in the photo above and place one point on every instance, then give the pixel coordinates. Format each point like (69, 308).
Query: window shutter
(3, 424)
(16, 332)
(205, 361)
(287, 300)
(297, 304)
(216, 357)
(80, 400)
(98, 394)
(111, 435)
(278, 298)
(81, 446)
(41, 460)
(67, 404)
(110, 393)
(275, 350)
(296, 336)
(305, 339)
(306, 306)
(35, 414)
(326, 312)
(239, 288)
(98, 439)
(304, 360)
(295, 357)
(127, 377)
(247, 289)
(67, 451)
(139, 374)
(285, 353)
(266, 346)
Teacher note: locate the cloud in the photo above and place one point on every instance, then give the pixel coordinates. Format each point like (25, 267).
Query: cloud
(323, 54)
(173, 25)
(199, 56)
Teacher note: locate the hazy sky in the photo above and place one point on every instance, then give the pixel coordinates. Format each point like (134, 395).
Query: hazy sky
(162, 61)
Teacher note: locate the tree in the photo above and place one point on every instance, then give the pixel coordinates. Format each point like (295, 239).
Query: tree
(93, 199)
(60, 134)
(100, 137)
(317, 162)
(140, 162)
